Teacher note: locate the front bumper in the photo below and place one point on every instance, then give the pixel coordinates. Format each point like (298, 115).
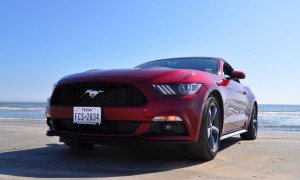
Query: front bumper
(116, 141)
(188, 108)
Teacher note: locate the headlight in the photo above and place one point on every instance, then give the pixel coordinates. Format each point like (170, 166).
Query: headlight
(178, 89)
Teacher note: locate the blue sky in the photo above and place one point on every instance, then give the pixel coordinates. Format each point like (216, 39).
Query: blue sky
(41, 41)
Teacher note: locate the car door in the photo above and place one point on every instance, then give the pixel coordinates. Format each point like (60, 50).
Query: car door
(235, 104)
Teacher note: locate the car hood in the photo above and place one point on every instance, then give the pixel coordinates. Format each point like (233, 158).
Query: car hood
(154, 74)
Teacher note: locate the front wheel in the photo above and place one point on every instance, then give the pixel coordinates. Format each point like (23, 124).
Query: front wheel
(208, 142)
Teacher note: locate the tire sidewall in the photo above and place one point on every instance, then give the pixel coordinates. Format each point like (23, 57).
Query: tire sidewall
(204, 124)
(254, 116)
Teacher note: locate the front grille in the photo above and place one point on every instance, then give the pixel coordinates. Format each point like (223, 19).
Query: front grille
(106, 127)
(112, 94)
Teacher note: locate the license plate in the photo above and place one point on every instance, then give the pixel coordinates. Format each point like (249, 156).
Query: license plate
(87, 115)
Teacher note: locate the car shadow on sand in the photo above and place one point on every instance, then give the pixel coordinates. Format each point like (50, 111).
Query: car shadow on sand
(57, 161)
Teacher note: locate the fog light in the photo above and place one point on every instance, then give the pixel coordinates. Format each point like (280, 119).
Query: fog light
(169, 127)
(167, 118)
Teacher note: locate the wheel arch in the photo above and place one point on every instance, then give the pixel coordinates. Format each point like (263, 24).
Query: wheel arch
(253, 105)
(256, 106)
(219, 98)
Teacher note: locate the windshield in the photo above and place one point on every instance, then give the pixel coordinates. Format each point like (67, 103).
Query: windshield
(201, 64)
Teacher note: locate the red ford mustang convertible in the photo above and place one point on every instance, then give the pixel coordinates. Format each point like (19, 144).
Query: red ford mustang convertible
(192, 101)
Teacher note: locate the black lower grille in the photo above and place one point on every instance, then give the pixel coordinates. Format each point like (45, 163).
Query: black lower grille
(106, 127)
(108, 94)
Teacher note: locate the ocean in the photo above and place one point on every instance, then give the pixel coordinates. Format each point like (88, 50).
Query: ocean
(270, 117)
(22, 111)
(279, 117)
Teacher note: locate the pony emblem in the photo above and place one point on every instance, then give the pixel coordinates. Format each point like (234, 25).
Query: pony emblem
(93, 93)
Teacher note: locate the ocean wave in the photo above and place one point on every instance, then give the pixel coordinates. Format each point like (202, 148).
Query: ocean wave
(279, 125)
(21, 119)
(22, 108)
(287, 130)
(279, 115)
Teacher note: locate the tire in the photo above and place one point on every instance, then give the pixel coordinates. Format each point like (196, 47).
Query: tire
(208, 142)
(251, 134)
(74, 145)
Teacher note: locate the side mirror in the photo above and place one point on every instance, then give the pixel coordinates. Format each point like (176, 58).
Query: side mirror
(237, 75)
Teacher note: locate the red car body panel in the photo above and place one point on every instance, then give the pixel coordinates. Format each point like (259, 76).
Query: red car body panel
(237, 101)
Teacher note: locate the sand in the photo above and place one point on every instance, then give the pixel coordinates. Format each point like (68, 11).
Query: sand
(26, 153)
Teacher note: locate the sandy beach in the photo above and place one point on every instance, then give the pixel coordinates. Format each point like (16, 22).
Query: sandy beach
(26, 153)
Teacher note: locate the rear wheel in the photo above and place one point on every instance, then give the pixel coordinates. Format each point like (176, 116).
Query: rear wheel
(75, 145)
(251, 134)
(209, 137)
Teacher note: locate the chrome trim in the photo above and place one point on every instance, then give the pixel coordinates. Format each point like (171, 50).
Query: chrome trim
(233, 134)
(93, 93)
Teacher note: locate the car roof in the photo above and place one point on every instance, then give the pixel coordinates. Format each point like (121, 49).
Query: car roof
(187, 57)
